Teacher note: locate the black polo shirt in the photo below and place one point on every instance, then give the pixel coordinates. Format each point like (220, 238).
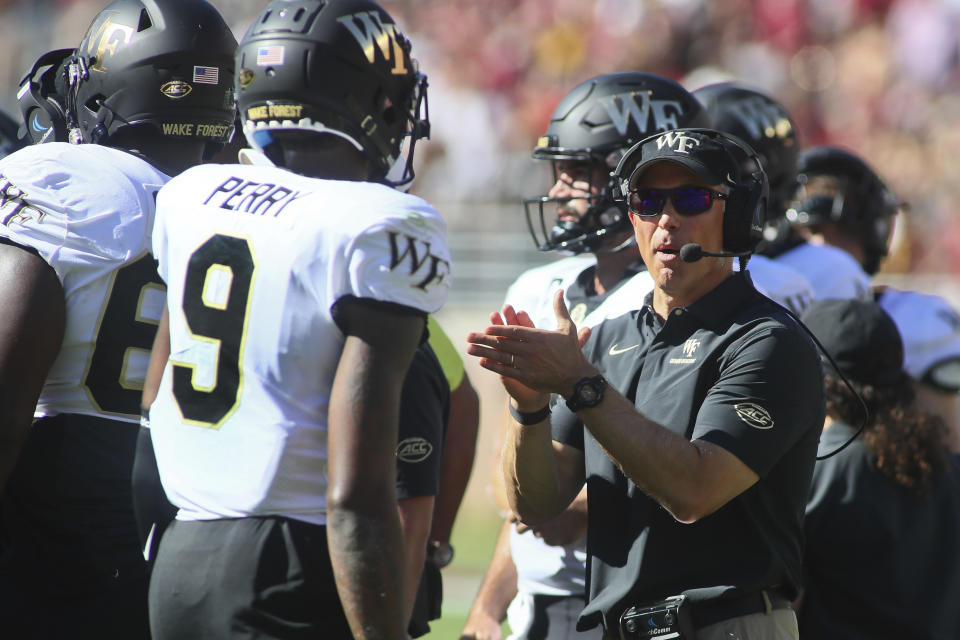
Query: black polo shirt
(424, 411)
(732, 369)
(881, 561)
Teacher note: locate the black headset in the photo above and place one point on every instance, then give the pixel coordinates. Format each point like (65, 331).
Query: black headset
(43, 108)
(746, 204)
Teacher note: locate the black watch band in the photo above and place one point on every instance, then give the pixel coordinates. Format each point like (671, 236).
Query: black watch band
(587, 393)
(526, 419)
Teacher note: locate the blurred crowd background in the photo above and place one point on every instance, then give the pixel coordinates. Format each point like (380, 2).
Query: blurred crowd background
(881, 77)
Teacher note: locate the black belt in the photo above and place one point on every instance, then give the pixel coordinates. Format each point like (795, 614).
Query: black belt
(714, 611)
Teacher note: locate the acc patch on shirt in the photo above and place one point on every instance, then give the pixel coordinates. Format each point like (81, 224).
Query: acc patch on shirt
(754, 415)
(414, 450)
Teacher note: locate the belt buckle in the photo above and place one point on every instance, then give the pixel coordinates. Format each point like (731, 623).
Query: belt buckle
(667, 619)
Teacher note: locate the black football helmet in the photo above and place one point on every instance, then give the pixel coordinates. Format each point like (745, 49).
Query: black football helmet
(339, 67)
(10, 139)
(766, 125)
(166, 64)
(853, 196)
(597, 122)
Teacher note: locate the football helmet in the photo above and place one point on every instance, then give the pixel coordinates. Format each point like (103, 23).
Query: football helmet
(339, 67)
(10, 140)
(596, 123)
(850, 194)
(166, 64)
(764, 124)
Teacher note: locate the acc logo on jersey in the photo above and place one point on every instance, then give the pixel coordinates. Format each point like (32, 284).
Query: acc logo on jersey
(176, 89)
(386, 37)
(754, 415)
(414, 450)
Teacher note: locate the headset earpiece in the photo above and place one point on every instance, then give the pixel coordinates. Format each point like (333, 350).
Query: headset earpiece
(746, 210)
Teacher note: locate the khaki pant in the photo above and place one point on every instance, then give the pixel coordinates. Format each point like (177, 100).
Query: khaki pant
(779, 624)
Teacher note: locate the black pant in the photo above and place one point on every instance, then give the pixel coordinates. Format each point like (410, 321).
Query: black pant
(245, 578)
(151, 507)
(71, 565)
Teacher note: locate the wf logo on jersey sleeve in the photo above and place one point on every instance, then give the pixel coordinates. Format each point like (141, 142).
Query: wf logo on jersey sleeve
(414, 255)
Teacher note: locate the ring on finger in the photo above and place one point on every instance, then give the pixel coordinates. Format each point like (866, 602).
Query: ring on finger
(513, 359)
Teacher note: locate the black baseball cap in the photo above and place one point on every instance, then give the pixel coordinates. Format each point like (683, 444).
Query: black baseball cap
(705, 152)
(860, 336)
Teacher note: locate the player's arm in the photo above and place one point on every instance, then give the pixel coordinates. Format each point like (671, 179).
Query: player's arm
(32, 322)
(459, 450)
(151, 508)
(158, 360)
(460, 440)
(415, 516)
(363, 528)
(498, 589)
(424, 407)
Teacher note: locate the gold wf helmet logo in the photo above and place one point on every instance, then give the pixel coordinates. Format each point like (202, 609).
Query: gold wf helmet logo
(368, 29)
(762, 119)
(104, 42)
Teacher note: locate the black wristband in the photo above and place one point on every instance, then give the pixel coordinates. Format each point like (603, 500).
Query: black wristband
(526, 419)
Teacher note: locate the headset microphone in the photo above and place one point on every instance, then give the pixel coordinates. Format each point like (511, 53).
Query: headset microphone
(693, 252)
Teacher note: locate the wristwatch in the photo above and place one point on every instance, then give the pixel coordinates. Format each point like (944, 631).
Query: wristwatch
(587, 393)
(439, 554)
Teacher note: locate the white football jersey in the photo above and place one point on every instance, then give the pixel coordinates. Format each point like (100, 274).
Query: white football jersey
(779, 282)
(88, 211)
(541, 568)
(533, 292)
(929, 327)
(255, 258)
(833, 272)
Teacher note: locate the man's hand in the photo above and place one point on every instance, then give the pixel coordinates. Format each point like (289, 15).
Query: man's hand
(533, 363)
(480, 626)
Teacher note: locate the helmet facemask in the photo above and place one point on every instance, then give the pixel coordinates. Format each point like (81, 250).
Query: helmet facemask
(572, 231)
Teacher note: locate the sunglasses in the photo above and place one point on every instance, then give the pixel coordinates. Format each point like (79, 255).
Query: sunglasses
(687, 200)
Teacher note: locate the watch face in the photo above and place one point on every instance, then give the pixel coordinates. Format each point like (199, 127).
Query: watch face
(588, 394)
(441, 554)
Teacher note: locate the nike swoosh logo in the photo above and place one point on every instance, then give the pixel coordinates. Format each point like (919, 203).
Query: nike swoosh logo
(36, 124)
(615, 352)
